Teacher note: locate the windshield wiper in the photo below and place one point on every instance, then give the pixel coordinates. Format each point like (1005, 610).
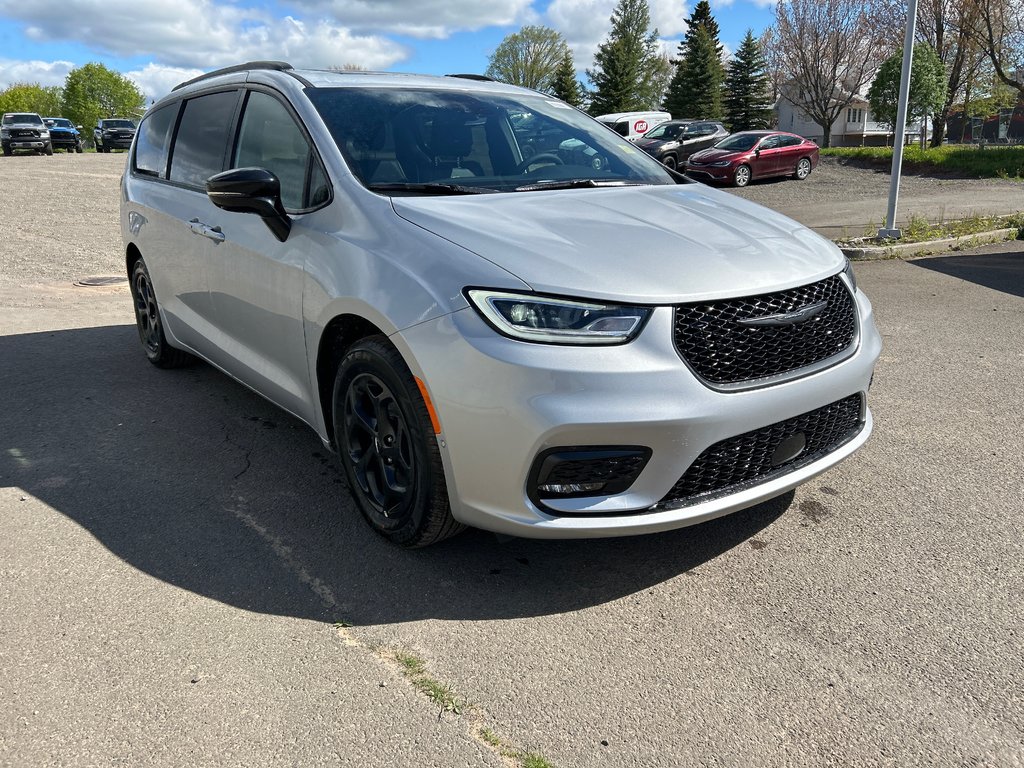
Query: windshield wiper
(575, 184)
(431, 186)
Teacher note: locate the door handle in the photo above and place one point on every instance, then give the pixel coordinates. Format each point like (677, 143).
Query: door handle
(212, 233)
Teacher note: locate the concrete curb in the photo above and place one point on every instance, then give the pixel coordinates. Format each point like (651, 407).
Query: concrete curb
(857, 250)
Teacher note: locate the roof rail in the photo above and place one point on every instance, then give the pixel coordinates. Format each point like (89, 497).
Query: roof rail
(481, 78)
(279, 66)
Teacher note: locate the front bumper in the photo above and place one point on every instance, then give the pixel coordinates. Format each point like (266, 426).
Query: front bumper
(26, 143)
(116, 142)
(503, 402)
(64, 140)
(709, 173)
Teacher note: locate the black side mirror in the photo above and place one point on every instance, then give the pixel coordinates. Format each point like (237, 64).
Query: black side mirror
(251, 190)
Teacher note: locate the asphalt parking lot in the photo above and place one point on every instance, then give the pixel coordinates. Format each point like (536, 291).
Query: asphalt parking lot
(184, 580)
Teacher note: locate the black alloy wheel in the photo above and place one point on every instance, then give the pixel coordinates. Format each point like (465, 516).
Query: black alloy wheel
(147, 320)
(670, 162)
(387, 447)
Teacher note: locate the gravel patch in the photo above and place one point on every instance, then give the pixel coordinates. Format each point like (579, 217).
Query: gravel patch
(59, 217)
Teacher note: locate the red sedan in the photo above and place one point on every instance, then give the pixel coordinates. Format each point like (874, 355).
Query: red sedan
(750, 155)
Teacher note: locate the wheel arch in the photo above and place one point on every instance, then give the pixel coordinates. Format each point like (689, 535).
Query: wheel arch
(131, 255)
(338, 337)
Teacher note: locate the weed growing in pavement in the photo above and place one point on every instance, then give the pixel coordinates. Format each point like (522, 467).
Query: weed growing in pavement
(918, 229)
(442, 695)
(525, 759)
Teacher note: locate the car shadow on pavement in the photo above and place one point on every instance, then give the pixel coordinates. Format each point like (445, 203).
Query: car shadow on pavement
(998, 271)
(194, 480)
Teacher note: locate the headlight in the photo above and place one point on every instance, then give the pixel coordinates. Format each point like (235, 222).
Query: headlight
(44, 134)
(848, 271)
(5, 133)
(722, 164)
(558, 321)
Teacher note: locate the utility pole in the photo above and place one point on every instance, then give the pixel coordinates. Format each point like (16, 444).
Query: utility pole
(901, 127)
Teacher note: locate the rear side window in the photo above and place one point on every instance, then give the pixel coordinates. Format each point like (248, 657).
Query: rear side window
(154, 140)
(202, 139)
(270, 138)
(789, 141)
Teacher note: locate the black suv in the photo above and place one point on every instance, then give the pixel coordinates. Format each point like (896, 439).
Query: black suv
(113, 134)
(676, 140)
(24, 130)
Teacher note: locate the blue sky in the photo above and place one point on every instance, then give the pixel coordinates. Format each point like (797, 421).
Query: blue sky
(159, 43)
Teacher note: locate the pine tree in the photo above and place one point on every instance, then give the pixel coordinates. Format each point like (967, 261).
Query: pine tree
(748, 88)
(629, 72)
(696, 87)
(564, 84)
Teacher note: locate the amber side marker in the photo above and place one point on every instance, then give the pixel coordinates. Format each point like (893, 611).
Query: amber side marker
(435, 422)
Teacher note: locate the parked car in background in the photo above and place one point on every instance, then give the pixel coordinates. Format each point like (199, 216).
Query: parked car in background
(24, 131)
(748, 155)
(113, 133)
(565, 341)
(63, 134)
(633, 125)
(672, 142)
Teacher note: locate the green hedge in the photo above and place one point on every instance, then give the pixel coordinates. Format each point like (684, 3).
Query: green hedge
(952, 159)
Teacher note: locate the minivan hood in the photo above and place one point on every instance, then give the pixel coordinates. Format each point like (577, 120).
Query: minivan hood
(652, 244)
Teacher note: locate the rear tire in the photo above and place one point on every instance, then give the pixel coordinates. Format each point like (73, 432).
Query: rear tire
(388, 448)
(803, 169)
(150, 324)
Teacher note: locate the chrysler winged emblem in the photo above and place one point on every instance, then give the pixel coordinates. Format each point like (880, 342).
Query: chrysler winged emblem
(788, 318)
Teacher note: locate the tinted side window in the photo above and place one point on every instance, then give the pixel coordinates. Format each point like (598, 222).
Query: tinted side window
(770, 143)
(269, 138)
(202, 138)
(154, 140)
(789, 141)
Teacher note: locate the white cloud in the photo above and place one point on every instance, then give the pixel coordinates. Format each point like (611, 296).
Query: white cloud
(198, 33)
(156, 81)
(421, 18)
(45, 73)
(586, 23)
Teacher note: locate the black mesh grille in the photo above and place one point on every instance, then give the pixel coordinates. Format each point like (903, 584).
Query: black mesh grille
(600, 470)
(722, 350)
(727, 466)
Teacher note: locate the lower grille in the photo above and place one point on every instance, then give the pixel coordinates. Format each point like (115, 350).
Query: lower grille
(755, 457)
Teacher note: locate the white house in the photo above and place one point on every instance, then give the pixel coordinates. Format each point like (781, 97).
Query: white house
(854, 127)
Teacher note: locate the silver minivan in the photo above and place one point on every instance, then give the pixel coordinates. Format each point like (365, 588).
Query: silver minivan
(497, 312)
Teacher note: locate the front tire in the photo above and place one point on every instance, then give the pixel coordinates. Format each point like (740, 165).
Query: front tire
(670, 162)
(148, 320)
(742, 176)
(803, 169)
(388, 448)
(49, 149)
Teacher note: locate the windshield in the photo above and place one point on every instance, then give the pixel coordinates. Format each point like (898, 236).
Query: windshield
(447, 141)
(118, 124)
(739, 141)
(666, 131)
(59, 122)
(23, 118)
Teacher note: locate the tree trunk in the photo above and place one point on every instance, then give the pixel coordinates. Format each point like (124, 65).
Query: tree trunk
(826, 134)
(938, 129)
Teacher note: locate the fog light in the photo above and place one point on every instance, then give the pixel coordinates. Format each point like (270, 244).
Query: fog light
(572, 472)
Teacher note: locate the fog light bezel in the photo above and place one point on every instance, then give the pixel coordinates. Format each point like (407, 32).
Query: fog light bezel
(547, 460)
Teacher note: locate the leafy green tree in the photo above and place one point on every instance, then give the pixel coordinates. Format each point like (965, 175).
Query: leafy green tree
(93, 92)
(564, 84)
(529, 57)
(696, 86)
(927, 86)
(748, 93)
(629, 72)
(31, 97)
